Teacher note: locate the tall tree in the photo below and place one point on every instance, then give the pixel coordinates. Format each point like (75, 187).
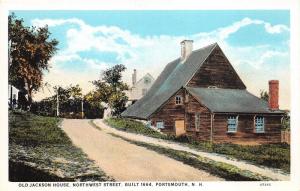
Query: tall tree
(30, 52)
(110, 89)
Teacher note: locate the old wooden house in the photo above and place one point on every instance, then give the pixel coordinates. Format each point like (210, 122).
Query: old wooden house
(200, 95)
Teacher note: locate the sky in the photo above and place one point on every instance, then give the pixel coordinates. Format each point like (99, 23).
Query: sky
(257, 43)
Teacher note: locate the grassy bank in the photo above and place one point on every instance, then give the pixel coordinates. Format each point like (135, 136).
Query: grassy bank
(133, 126)
(220, 169)
(39, 150)
(270, 155)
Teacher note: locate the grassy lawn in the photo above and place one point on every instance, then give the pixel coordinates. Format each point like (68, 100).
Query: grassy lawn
(270, 155)
(39, 150)
(133, 126)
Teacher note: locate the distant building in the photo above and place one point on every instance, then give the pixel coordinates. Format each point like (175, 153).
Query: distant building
(13, 93)
(139, 88)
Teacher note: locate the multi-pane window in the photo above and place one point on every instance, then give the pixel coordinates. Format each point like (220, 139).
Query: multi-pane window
(259, 124)
(160, 124)
(197, 121)
(232, 124)
(178, 100)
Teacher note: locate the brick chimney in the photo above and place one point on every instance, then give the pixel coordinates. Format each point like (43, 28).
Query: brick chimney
(273, 94)
(186, 49)
(134, 77)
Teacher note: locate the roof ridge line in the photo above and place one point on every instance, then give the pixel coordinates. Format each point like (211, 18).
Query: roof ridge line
(144, 77)
(215, 44)
(216, 88)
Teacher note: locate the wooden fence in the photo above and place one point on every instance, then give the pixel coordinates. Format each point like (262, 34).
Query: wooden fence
(285, 137)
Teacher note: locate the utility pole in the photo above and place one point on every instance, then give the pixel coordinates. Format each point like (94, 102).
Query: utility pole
(82, 114)
(9, 63)
(10, 99)
(57, 105)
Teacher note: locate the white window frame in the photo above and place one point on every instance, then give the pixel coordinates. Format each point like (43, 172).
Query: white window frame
(232, 123)
(178, 100)
(197, 121)
(259, 124)
(160, 125)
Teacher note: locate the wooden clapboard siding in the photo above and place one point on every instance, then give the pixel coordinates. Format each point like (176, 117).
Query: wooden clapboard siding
(245, 131)
(193, 107)
(217, 71)
(170, 112)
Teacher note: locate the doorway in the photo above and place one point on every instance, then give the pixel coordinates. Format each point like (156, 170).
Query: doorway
(179, 128)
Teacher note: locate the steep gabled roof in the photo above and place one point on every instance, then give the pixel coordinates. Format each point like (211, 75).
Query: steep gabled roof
(146, 75)
(230, 100)
(174, 76)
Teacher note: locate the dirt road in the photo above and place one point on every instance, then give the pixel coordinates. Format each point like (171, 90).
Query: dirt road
(125, 161)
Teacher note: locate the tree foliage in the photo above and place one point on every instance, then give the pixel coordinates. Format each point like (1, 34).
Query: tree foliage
(264, 95)
(286, 121)
(93, 106)
(70, 100)
(286, 117)
(110, 89)
(30, 50)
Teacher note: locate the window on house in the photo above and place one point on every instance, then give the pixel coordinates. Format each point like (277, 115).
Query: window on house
(232, 123)
(197, 121)
(144, 91)
(178, 100)
(147, 80)
(259, 124)
(160, 124)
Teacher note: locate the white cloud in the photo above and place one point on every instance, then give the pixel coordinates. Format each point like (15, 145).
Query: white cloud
(55, 22)
(261, 58)
(152, 53)
(61, 58)
(276, 28)
(224, 32)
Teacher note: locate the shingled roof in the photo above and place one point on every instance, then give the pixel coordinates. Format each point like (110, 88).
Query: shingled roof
(174, 76)
(230, 100)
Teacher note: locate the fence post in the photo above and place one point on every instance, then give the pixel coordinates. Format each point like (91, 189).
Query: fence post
(285, 137)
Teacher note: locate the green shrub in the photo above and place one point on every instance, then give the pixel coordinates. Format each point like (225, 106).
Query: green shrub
(133, 126)
(271, 155)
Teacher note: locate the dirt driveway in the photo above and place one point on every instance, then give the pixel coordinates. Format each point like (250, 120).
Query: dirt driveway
(125, 161)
